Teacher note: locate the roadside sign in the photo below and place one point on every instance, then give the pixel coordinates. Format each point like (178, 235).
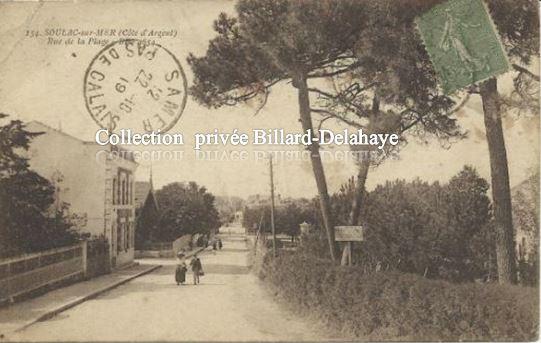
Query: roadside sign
(348, 233)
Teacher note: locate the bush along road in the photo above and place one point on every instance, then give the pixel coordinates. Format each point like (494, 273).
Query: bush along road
(402, 306)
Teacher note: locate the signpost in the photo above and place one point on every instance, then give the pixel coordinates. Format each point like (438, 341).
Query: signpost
(348, 234)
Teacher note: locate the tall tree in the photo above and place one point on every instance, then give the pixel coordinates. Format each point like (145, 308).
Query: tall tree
(386, 91)
(271, 41)
(519, 28)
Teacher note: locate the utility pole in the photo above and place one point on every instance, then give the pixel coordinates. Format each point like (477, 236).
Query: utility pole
(272, 208)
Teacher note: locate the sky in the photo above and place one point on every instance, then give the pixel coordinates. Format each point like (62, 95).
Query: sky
(44, 82)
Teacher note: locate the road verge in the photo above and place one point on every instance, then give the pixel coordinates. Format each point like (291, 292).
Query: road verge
(56, 310)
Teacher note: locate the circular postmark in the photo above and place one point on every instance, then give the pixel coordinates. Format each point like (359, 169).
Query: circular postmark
(136, 85)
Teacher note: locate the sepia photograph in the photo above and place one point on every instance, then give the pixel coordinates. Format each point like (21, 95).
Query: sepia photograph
(269, 171)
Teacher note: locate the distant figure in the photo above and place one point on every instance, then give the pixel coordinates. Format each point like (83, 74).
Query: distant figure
(180, 273)
(220, 245)
(213, 244)
(197, 269)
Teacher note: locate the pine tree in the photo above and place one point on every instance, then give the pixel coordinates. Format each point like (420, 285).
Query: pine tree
(277, 41)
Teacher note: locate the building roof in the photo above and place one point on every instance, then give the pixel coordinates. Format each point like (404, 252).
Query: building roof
(124, 153)
(31, 125)
(142, 188)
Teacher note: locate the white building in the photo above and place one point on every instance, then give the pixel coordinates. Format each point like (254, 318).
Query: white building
(96, 181)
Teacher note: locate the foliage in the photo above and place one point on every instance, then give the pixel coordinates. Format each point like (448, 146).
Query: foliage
(291, 216)
(251, 52)
(286, 218)
(28, 221)
(252, 217)
(313, 244)
(227, 206)
(147, 219)
(342, 201)
(185, 209)
(439, 231)
(430, 229)
(392, 87)
(400, 306)
(525, 201)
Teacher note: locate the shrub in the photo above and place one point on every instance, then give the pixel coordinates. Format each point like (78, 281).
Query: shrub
(279, 243)
(394, 305)
(442, 231)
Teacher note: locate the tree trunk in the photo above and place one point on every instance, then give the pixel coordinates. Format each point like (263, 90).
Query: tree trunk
(501, 194)
(362, 173)
(317, 165)
(360, 183)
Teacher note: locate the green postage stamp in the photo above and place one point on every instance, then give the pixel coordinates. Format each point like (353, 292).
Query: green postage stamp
(462, 42)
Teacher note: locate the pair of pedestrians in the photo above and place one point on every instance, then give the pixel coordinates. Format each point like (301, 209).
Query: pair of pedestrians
(197, 270)
(217, 242)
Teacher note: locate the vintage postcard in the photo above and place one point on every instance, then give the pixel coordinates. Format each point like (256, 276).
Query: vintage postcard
(269, 170)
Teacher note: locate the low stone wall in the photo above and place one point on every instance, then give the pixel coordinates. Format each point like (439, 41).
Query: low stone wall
(154, 253)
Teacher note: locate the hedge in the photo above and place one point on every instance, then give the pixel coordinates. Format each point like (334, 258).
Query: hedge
(400, 306)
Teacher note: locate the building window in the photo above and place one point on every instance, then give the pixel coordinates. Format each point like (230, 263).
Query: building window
(114, 237)
(123, 192)
(114, 191)
(132, 234)
(118, 199)
(524, 250)
(127, 239)
(127, 188)
(120, 236)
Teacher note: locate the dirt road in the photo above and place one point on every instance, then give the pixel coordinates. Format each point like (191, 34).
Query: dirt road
(229, 305)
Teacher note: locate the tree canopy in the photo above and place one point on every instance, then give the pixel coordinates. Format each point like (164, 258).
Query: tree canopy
(186, 208)
(436, 230)
(270, 41)
(287, 217)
